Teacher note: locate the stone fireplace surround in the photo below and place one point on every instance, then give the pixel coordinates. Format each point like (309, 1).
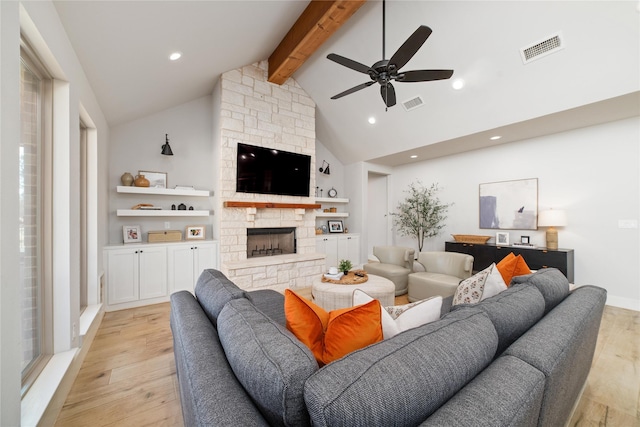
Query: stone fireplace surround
(254, 111)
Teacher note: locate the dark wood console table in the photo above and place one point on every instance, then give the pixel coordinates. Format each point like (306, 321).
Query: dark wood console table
(536, 258)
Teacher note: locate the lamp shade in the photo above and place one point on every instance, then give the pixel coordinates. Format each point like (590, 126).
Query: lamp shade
(552, 218)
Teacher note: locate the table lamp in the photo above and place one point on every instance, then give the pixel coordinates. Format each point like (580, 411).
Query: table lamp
(552, 218)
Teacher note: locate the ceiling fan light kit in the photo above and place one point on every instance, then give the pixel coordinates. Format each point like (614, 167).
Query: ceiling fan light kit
(387, 70)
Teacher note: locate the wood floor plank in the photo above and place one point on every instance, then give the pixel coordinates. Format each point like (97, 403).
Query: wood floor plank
(129, 376)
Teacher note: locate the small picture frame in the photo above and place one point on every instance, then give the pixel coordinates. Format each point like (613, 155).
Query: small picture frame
(335, 226)
(156, 179)
(195, 232)
(131, 234)
(502, 238)
(524, 240)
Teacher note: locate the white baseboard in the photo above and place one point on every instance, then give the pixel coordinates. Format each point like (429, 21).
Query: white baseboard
(620, 302)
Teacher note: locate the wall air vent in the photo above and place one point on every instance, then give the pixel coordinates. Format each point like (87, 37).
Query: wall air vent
(542, 48)
(413, 103)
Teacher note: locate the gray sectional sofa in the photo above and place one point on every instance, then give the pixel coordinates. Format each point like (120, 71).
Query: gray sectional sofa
(519, 358)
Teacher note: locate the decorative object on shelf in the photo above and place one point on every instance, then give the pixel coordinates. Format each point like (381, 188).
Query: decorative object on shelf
(156, 179)
(131, 234)
(182, 207)
(470, 238)
(195, 232)
(184, 187)
(126, 179)
(335, 226)
(502, 238)
(164, 236)
(173, 207)
(190, 208)
(146, 207)
(325, 210)
(552, 218)
(332, 193)
(333, 210)
(141, 181)
(166, 148)
(324, 229)
(345, 265)
(324, 170)
(319, 231)
(509, 205)
(346, 230)
(420, 214)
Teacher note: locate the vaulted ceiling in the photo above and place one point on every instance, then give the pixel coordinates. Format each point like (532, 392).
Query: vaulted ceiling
(123, 47)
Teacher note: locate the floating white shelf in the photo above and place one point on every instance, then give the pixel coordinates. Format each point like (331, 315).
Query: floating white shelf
(332, 214)
(162, 191)
(331, 200)
(159, 212)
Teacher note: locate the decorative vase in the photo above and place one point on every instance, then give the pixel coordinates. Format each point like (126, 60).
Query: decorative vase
(141, 181)
(127, 179)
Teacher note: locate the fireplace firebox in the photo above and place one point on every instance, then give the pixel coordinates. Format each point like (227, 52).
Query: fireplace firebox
(270, 241)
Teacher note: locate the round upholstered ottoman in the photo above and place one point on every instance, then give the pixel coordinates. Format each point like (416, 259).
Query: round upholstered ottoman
(331, 296)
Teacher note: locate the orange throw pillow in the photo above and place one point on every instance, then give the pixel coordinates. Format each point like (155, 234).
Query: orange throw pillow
(511, 266)
(331, 335)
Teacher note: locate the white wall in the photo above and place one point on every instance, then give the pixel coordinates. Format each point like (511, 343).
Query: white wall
(136, 146)
(42, 27)
(335, 178)
(592, 173)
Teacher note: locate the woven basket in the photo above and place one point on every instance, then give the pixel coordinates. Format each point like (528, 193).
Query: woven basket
(470, 238)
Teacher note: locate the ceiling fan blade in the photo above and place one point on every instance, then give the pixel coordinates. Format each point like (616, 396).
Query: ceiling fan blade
(349, 63)
(353, 89)
(388, 94)
(423, 75)
(410, 47)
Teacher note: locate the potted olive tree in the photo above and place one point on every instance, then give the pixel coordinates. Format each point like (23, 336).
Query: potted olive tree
(421, 214)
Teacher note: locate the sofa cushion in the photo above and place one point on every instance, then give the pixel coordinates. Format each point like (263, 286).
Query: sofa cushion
(512, 266)
(213, 290)
(269, 302)
(512, 312)
(507, 393)
(270, 363)
(402, 380)
(331, 335)
(398, 318)
(551, 283)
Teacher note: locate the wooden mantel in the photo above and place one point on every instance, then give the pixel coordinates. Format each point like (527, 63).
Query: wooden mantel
(271, 205)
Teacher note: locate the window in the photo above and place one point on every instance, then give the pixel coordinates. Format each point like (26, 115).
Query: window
(34, 228)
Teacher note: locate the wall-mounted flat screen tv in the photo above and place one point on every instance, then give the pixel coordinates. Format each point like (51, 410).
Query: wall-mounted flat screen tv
(268, 171)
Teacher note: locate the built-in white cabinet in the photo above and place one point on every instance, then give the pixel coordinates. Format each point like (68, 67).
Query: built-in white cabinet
(141, 274)
(337, 247)
(185, 263)
(136, 273)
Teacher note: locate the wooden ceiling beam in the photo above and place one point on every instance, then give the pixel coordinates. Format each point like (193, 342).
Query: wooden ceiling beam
(315, 25)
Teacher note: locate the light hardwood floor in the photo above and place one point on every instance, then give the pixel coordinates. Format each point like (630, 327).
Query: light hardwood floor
(129, 379)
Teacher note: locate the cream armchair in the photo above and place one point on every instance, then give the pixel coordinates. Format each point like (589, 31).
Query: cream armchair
(396, 263)
(442, 272)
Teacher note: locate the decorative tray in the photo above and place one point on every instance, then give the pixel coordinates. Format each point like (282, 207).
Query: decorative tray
(349, 279)
(470, 238)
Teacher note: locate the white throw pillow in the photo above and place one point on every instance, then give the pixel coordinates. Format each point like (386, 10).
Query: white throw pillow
(494, 284)
(398, 318)
(480, 286)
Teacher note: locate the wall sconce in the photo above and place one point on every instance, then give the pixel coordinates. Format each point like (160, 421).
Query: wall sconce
(323, 169)
(552, 218)
(166, 149)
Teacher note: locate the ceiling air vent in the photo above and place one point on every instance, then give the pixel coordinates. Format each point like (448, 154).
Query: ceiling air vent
(413, 103)
(542, 48)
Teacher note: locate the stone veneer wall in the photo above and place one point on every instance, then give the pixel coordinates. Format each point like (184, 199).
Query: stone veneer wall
(256, 112)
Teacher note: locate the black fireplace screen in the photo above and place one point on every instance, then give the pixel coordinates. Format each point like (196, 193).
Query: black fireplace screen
(271, 241)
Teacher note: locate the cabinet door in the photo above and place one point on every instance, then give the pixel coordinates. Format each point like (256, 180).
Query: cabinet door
(153, 272)
(205, 256)
(180, 268)
(349, 248)
(122, 272)
(328, 245)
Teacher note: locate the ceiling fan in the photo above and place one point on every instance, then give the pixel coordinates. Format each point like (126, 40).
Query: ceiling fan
(387, 70)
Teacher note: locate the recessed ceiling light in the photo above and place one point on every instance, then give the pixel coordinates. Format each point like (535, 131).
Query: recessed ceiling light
(494, 138)
(413, 156)
(457, 84)
(372, 120)
(175, 56)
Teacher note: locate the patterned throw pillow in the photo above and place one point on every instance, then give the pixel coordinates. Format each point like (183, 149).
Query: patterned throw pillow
(470, 290)
(399, 318)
